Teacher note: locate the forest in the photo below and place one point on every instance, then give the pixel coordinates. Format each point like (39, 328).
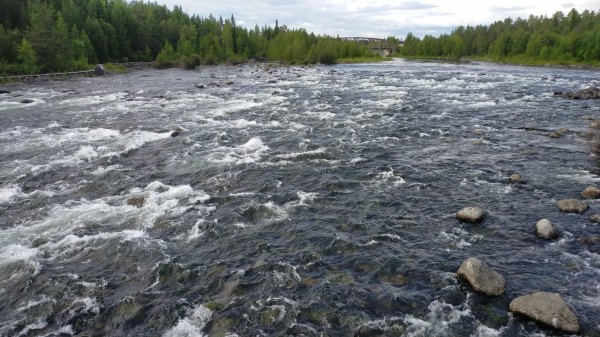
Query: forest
(41, 36)
(573, 38)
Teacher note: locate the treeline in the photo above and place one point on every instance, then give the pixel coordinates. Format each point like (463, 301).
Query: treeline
(571, 38)
(64, 35)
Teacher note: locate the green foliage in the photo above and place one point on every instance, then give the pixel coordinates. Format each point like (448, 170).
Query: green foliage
(72, 34)
(27, 57)
(570, 39)
(167, 57)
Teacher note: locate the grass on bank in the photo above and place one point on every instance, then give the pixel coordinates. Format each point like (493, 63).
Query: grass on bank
(364, 59)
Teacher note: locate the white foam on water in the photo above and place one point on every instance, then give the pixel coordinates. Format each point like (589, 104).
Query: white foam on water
(100, 171)
(389, 177)
(99, 97)
(580, 176)
(302, 154)
(9, 193)
(250, 152)
(15, 252)
(438, 322)
(192, 325)
(65, 330)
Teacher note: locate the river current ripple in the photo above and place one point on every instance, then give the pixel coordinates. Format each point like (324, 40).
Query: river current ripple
(293, 201)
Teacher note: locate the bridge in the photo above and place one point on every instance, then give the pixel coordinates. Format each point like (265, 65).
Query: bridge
(381, 46)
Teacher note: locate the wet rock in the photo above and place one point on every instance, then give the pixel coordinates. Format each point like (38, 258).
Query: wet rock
(99, 71)
(477, 142)
(591, 192)
(587, 93)
(572, 206)
(229, 83)
(553, 134)
(271, 81)
(595, 218)
(478, 132)
(590, 240)
(481, 277)
(562, 131)
(137, 202)
(547, 308)
(4, 92)
(515, 178)
(595, 124)
(275, 93)
(544, 229)
(39, 242)
(176, 131)
(470, 214)
(26, 101)
(199, 86)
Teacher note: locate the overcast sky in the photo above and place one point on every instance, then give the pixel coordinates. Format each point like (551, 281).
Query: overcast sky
(377, 18)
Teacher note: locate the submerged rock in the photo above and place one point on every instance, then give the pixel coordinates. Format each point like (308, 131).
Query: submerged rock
(4, 92)
(478, 132)
(199, 86)
(26, 101)
(481, 277)
(176, 131)
(545, 229)
(572, 206)
(591, 192)
(470, 214)
(547, 308)
(553, 134)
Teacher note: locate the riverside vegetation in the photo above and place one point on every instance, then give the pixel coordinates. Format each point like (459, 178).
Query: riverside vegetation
(573, 38)
(53, 36)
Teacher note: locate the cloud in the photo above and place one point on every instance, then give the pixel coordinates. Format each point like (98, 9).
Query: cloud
(375, 18)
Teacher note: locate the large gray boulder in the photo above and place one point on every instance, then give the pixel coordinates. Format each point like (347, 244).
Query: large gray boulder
(99, 71)
(470, 214)
(545, 229)
(481, 277)
(572, 206)
(547, 308)
(591, 192)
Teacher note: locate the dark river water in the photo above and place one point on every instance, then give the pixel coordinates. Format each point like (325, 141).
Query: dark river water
(292, 201)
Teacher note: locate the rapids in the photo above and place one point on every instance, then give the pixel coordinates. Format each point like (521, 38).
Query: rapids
(294, 201)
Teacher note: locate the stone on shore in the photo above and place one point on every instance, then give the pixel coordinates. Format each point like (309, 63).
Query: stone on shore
(572, 206)
(470, 214)
(481, 277)
(99, 71)
(591, 192)
(545, 229)
(547, 308)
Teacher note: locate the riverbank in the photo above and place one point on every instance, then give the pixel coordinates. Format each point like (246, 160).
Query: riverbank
(513, 60)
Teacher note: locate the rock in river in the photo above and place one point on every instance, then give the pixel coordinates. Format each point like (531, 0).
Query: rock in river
(470, 214)
(595, 218)
(572, 206)
(26, 101)
(591, 192)
(545, 229)
(515, 178)
(481, 277)
(547, 308)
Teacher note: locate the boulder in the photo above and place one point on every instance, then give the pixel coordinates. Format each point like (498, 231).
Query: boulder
(515, 178)
(26, 101)
(4, 92)
(481, 277)
(137, 201)
(587, 93)
(547, 308)
(470, 214)
(199, 86)
(591, 192)
(572, 206)
(545, 229)
(176, 131)
(99, 71)
(271, 81)
(478, 132)
(595, 218)
(553, 134)
(229, 83)
(562, 131)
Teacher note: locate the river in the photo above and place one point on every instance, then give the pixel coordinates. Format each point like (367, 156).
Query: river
(277, 201)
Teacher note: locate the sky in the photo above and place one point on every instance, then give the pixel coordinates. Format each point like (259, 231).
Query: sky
(376, 18)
